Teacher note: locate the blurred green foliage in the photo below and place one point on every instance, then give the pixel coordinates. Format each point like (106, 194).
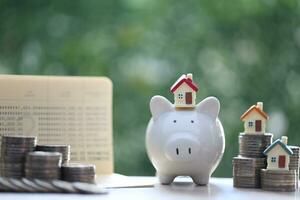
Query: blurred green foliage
(240, 51)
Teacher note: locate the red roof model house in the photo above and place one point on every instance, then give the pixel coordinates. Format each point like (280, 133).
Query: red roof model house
(184, 90)
(255, 119)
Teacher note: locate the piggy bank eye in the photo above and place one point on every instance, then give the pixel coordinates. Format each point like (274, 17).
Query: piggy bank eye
(192, 121)
(174, 121)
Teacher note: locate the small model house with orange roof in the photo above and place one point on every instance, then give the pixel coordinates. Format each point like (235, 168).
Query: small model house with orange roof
(278, 154)
(255, 119)
(184, 90)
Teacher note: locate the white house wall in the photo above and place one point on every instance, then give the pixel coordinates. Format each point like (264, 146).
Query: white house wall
(182, 89)
(276, 152)
(253, 116)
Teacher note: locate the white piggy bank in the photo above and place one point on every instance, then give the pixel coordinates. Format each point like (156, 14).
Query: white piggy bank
(185, 142)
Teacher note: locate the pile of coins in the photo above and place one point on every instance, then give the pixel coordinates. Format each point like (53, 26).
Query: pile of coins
(53, 186)
(79, 173)
(247, 166)
(13, 153)
(43, 165)
(253, 145)
(294, 159)
(63, 149)
(278, 180)
(246, 171)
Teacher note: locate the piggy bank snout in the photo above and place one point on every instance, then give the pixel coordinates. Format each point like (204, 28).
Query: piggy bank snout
(182, 148)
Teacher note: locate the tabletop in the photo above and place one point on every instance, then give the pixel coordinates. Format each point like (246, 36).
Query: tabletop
(148, 188)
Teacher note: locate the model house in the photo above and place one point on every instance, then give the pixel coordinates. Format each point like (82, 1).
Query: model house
(255, 119)
(278, 154)
(184, 90)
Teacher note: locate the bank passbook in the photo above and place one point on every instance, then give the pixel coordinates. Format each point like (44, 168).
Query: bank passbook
(61, 110)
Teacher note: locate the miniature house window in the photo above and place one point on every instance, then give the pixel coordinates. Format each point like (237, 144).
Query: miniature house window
(250, 124)
(180, 96)
(273, 159)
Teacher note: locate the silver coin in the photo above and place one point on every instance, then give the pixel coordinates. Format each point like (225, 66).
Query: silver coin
(42, 156)
(63, 149)
(79, 172)
(20, 186)
(33, 185)
(15, 139)
(87, 188)
(47, 186)
(43, 177)
(276, 180)
(63, 185)
(79, 166)
(37, 166)
(6, 185)
(43, 165)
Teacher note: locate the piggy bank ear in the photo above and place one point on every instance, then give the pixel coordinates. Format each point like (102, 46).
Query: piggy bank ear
(160, 105)
(209, 106)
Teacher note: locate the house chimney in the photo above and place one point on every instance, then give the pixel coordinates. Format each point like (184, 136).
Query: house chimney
(284, 140)
(260, 105)
(190, 76)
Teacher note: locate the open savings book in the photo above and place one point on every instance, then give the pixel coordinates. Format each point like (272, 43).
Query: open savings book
(61, 110)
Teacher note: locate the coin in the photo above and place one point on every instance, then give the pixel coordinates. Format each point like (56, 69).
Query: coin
(13, 153)
(278, 180)
(63, 149)
(253, 145)
(87, 188)
(6, 185)
(246, 171)
(294, 159)
(63, 185)
(33, 185)
(47, 186)
(43, 156)
(20, 186)
(18, 140)
(43, 165)
(79, 172)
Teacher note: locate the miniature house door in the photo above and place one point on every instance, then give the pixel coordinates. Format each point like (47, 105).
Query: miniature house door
(281, 162)
(257, 125)
(188, 98)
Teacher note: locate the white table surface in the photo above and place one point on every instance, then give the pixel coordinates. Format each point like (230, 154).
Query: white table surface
(183, 188)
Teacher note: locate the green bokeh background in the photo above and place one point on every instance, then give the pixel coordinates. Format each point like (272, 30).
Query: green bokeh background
(240, 51)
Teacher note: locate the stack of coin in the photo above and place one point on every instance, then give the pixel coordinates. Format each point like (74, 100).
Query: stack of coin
(253, 145)
(294, 161)
(278, 180)
(13, 154)
(63, 149)
(79, 173)
(43, 165)
(49, 186)
(246, 171)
